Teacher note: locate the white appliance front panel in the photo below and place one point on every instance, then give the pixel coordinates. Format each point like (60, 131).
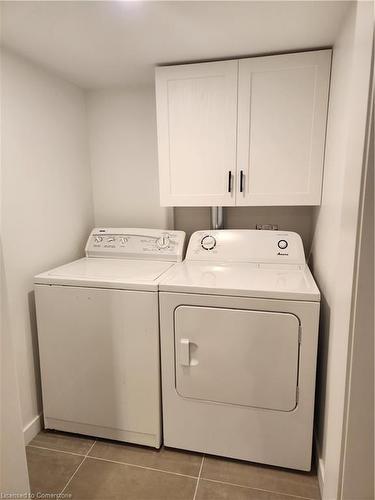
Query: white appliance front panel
(99, 354)
(239, 357)
(281, 438)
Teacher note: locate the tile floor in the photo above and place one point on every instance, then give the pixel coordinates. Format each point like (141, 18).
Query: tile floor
(80, 468)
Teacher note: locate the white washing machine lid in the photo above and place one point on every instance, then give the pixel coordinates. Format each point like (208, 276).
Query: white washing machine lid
(273, 281)
(122, 274)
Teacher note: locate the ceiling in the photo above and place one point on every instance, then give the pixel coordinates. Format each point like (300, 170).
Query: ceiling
(97, 44)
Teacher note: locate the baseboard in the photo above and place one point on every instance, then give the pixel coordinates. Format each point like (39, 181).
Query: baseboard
(32, 429)
(319, 465)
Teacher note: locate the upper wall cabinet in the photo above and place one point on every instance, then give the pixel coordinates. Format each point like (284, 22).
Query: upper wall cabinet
(282, 113)
(197, 128)
(247, 132)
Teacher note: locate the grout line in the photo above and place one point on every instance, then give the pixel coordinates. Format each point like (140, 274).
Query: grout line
(199, 476)
(77, 469)
(91, 447)
(140, 466)
(71, 477)
(258, 489)
(58, 451)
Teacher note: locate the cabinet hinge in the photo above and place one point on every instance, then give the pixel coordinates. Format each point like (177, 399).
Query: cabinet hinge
(300, 334)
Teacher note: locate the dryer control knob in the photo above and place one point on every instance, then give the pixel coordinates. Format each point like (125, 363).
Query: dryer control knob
(98, 239)
(282, 244)
(208, 242)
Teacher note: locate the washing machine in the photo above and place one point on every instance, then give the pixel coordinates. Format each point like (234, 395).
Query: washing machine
(98, 335)
(239, 331)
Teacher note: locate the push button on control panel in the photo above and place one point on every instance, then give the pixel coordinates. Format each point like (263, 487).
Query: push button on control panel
(208, 242)
(282, 244)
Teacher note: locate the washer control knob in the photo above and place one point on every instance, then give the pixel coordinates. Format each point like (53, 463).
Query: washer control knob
(163, 242)
(98, 239)
(111, 239)
(123, 240)
(208, 242)
(282, 244)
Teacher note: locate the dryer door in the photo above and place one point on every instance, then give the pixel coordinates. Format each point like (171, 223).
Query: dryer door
(237, 356)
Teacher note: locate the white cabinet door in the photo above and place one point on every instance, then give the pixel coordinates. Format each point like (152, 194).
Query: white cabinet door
(282, 110)
(237, 357)
(197, 122)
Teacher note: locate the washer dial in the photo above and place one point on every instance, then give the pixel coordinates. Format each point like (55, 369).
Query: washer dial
(208, 242)
(163, 242)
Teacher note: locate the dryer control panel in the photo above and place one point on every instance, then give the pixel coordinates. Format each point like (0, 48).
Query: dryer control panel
(247, 245)
(136, 243)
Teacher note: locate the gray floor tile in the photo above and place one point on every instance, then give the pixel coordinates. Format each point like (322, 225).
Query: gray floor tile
(263, 477)
(62, 441)
(163, 459)
(49, 471)
(208, 490)
(101, 480)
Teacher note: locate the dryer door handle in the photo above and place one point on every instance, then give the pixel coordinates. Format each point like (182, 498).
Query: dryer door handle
(185, 352)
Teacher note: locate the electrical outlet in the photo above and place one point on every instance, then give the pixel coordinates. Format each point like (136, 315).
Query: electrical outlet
(268, 227)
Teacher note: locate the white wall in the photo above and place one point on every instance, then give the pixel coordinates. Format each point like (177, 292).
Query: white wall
(47, 200)
(334, 242)
(13, 468)
(123, 148)
(358, 465)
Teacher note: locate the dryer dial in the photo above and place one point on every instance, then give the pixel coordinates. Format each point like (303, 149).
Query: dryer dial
(208, 242)
(282, 244)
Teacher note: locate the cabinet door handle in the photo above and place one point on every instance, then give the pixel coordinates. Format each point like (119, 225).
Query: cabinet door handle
(241, 181)
(229, 181)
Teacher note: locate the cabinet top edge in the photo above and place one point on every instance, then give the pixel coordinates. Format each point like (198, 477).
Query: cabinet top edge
(164, 66)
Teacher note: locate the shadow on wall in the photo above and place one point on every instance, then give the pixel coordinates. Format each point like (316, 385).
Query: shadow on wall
(322, 364)
(35, 345)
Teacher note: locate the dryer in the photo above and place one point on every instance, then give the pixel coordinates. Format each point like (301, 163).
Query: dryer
(239, 331)
(98, 333)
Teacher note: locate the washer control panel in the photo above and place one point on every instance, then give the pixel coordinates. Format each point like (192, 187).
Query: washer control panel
(136, 243)
(247, 245)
